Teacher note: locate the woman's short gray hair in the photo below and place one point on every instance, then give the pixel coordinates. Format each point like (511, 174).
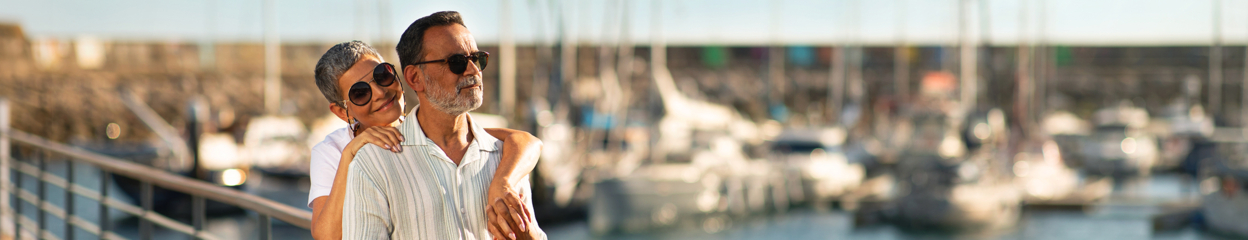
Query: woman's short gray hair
(335, 62)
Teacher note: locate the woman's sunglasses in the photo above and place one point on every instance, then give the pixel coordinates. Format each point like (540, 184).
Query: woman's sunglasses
(361, 92)
(458, 63)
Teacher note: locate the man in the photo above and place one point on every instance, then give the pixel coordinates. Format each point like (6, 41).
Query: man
(436, 187)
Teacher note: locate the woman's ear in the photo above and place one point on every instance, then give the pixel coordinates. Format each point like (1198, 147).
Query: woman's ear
(340, 112)
(411, 74)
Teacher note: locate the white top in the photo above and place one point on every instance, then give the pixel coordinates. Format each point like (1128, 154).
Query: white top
(325, 157)
(420, 193)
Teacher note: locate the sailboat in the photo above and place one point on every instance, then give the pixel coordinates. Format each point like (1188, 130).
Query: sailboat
(697, 174)
(953, 173)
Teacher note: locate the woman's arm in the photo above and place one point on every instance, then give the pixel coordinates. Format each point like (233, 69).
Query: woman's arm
(327, 210)
(520, 155)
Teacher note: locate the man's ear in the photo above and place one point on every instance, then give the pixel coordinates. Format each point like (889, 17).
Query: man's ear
(339, 111)
(411, 74)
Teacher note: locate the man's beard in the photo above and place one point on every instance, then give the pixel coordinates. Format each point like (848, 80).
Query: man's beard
(452, 102)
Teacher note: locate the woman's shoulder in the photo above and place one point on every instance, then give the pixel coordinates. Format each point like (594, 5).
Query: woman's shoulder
(334, 142)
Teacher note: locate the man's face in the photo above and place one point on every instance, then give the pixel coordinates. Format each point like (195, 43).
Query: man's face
(383, 107)
(448, 92)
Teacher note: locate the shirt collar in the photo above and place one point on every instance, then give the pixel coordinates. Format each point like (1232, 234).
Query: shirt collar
(414, 136)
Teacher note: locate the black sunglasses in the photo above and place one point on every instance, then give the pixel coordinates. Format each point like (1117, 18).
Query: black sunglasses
(361, 92)
(458, 63)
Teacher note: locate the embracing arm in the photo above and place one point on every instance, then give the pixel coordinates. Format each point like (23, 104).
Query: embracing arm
(327, 210)
(520, 154)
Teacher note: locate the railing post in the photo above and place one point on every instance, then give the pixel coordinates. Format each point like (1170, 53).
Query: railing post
(6, 167)
(69, 199)
(266, 227)
(43, 194)
(198, 207)
(145, 224)
(17, 206)
(105, 220)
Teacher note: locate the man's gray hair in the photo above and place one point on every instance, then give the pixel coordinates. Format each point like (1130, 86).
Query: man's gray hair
(335, 62)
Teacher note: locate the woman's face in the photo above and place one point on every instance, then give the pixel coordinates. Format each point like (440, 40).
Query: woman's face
(384, 105)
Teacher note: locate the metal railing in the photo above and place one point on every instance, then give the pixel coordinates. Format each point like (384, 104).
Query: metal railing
(149, 177)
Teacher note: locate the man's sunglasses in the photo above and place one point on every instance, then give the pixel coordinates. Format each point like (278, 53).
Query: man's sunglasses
(458, 63)
(361, 92)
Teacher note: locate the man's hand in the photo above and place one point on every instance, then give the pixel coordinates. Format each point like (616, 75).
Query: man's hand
(508, 218)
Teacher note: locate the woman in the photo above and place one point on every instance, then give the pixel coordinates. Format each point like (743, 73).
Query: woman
(364, 91)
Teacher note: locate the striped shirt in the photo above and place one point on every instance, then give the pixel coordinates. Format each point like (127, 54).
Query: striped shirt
(420, 193)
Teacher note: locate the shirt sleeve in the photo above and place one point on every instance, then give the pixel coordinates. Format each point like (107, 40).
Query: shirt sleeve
(323, 169)
(525, 188)
(365, 213)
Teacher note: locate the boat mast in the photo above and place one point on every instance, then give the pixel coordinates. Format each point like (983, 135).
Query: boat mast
(901, 63)
(1026, 84)
(507, 62)
(775, 61)
(272, 59)
(969, 58)
(1243, 94)
(1042, 63)
(836, 90)
(1215, 61)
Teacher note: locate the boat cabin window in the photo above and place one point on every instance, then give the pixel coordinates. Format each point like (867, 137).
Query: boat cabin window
(1111, 128)
(785, 147)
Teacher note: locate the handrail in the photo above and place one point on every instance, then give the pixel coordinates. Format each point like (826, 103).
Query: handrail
(286, 213)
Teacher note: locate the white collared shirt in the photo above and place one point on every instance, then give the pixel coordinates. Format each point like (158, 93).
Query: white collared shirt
(324, 163)
(420, 193)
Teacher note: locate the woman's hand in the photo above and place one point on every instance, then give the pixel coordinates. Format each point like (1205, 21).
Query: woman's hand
(385, 137)
(507, 218)
(327, 210)
(506, 214)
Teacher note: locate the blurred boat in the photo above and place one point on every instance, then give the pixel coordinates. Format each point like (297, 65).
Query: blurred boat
(1177, 129)
(1046, 181)
(946, 185)
(1119, 144)
(654, 196)
(1045, 167)
(815, 164)
(713, 183)
(698, 173)
(276, 145)
(954, 195)
(1069, 133)
(203, 154)
(1181, 127)
(1224, 180)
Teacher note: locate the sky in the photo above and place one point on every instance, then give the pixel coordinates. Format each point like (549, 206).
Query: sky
(681, 22)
